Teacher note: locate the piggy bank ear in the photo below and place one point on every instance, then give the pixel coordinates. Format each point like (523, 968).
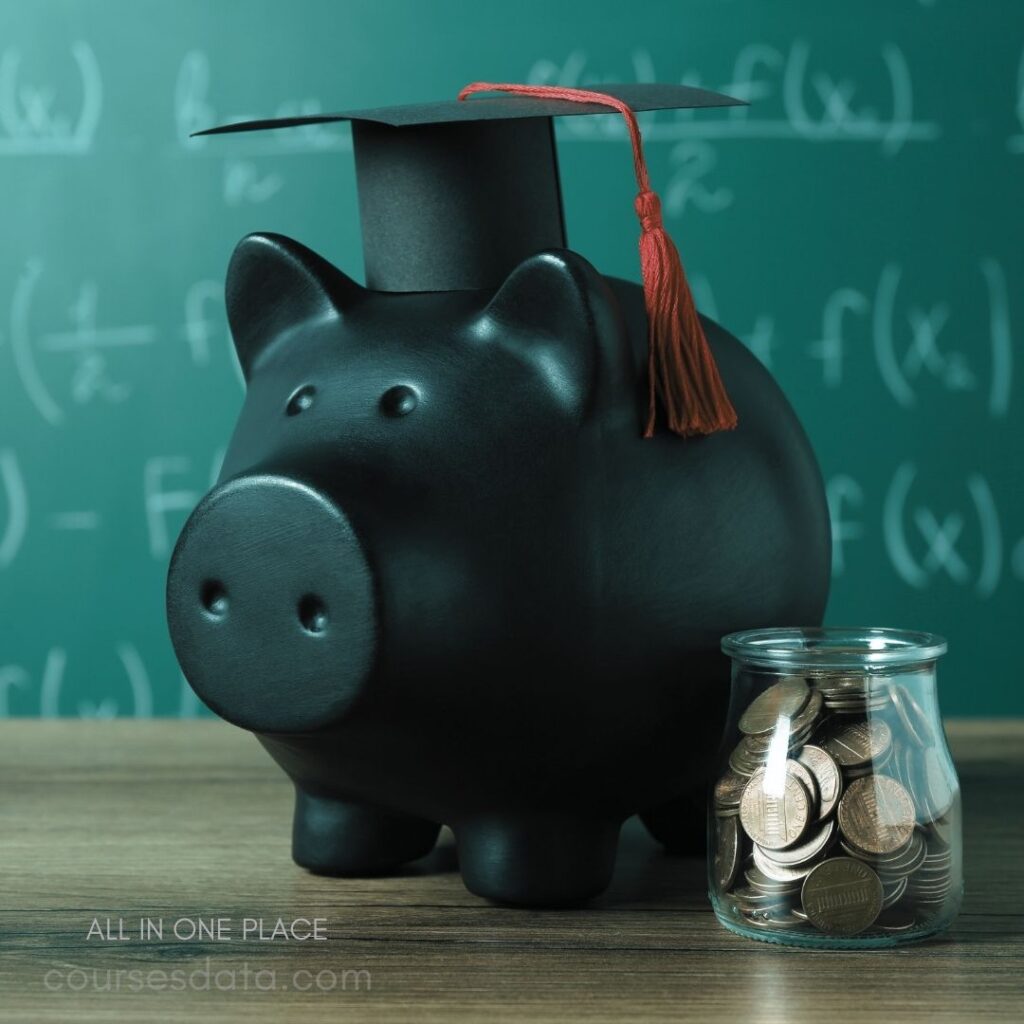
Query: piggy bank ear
(274, 283)
(556, 311)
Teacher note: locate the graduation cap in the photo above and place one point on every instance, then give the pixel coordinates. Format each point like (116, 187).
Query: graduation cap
(454, 195)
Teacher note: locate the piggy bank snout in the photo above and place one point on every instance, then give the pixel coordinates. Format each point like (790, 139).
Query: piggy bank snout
(270, 604)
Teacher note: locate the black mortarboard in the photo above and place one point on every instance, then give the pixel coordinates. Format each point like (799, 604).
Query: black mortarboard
(453, 195)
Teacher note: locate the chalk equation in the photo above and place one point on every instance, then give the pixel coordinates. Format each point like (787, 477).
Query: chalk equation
(964, 544)
(82, 361)
(14, 522)
(910, 341)
(244, 179)
(919, 347)
(920, 342)
(160, 497)
(797, 97)
(39, 691)
(36, 118)
(84, 342)
(913, 342)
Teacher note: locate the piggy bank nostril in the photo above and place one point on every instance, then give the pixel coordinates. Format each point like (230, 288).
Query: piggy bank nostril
(398, 401)
(213, 596)
(312, 614)
(301, 400)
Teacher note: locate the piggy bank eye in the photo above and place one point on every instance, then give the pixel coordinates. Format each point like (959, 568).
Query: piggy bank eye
(398, 401)
(301, 400)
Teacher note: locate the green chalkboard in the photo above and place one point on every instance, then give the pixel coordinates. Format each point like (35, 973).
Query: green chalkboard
(859, 226)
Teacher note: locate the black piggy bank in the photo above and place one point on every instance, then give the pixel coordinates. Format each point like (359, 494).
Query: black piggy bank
(444, 579)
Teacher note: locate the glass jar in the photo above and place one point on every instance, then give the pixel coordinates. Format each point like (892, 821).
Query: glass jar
(834, 819)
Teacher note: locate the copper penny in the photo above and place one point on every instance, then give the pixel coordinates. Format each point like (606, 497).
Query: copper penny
(842, 896)
(876, 814)
(827, 775)
(859, 743)
(786, 698)
(774, 811)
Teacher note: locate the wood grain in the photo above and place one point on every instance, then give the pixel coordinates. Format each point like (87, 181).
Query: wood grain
(180, 820)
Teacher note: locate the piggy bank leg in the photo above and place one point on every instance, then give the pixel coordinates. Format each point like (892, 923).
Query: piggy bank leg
(681, 824)
(553, 861)
(341, 837)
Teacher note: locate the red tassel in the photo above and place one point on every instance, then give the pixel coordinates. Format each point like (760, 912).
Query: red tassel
(681, 370)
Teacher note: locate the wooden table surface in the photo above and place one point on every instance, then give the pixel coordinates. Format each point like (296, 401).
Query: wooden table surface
(180, 821)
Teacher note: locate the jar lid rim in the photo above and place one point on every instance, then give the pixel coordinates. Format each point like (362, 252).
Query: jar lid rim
(833, 646)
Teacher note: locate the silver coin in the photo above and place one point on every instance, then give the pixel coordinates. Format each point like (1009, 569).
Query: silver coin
(727, 853)
(941, 831)
(806, 776)
(805, 852)
(729, 789)
(778, 872)
(896, 919)
(893, 893)
(758, 880)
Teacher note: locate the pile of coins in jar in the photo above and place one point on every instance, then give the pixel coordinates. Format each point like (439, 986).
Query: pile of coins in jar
(835, 813)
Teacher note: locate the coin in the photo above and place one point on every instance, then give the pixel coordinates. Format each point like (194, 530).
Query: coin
(727, 853)
(902, 863)
(804, 774)
(859, 821)
(778, 873)
(776, 883)
(809, 715)
(941, 831)
(876, 814)
(896, 919)
(775, 812)
(750, 899)
(857, 743)
(787, 697)
(842, 896)
(881, 765)
(830, 685)
(857, 707)
(777, 918)
(892, 893)
(827, 775)
(745, 760)
(758, 880)
(729, 789)
(806, 851)
(932, 883)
